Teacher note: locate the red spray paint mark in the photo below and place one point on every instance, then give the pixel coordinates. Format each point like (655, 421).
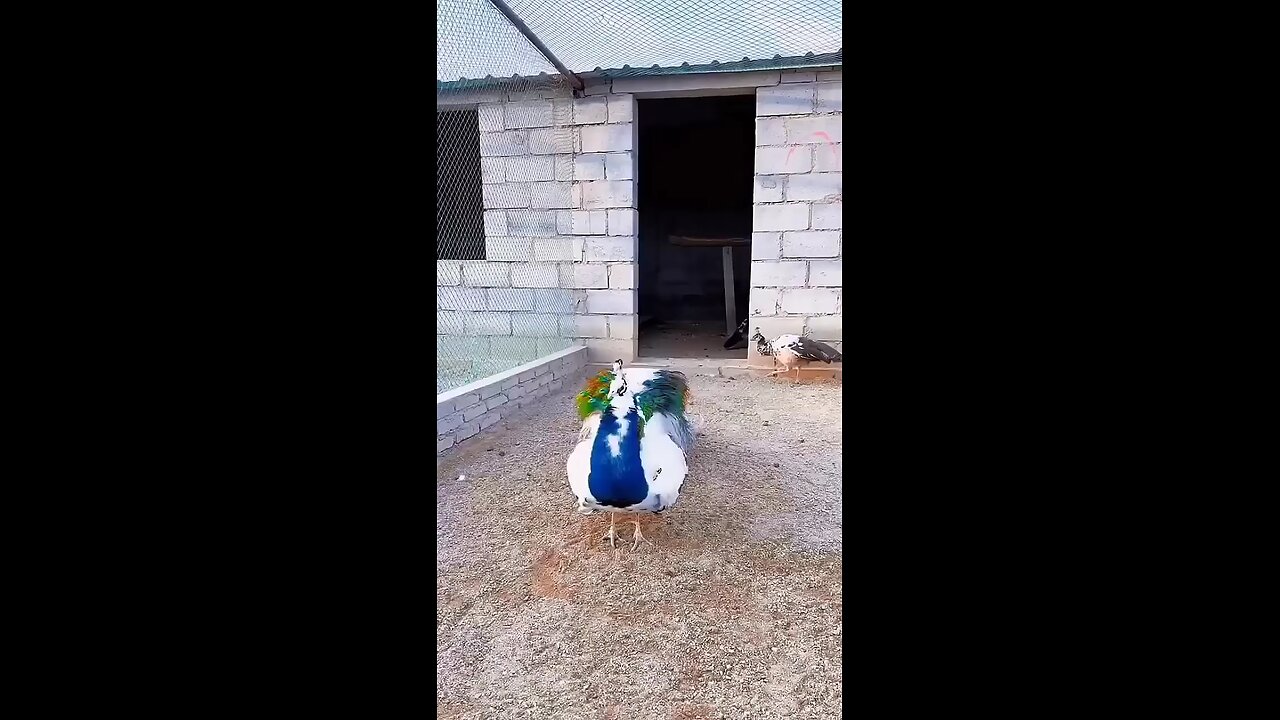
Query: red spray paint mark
(822, 134)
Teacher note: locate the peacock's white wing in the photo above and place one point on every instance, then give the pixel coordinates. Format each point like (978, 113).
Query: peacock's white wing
(658, 451)
(578, 467)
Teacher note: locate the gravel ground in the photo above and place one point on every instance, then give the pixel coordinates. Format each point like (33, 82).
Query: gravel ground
(731, 610)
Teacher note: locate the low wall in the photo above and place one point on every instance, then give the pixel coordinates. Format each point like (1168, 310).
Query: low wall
(464, 412)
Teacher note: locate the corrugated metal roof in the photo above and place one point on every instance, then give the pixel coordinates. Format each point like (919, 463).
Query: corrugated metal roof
(744, 65)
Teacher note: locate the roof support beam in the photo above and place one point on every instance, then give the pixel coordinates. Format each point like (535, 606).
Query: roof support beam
(511, 15)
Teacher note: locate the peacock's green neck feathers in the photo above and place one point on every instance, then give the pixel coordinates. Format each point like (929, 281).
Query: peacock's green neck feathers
(595, 397)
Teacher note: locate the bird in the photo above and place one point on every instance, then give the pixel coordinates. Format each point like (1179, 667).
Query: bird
(791, 349)
(632, 450)
(739, 336)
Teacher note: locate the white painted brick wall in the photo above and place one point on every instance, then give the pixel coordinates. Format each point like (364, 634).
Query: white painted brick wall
(784, 160)
(590, 326)
(508, 248)
(588, 167)
(769, 188)
(811, 244)
(789, 216)
(818, 129)
(589, 110)
(763, 301)
(829, 98)
(530, 167)
(607, 138)
(621, 108)
(554, 249)
(533, 114)
(607, 194)
(490, 117)
(622, 276)
(604, 249)
(613, 302)
(826, 327)
(493, 144)
(590, 276)
(511, 299)
(507, 195)
(828, 157)
(549, 141)
(815, 186)
(495, 223)
(825, 273)
(486, 274)
(622, 222)
(618, 166)
(487, 323)
(785, 100)
(550, 195)
(493, 170)
(534, 325)
(826, 216)
(771, 131)
(778, 274)
(461, 299)
(623, 327)
(766, 245)
(534, 275)
(581, 222)
(531, 223)
(448, 273)
(809, 301)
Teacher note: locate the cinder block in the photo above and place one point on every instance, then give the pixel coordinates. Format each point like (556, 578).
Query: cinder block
(622, 222)
(771, 131)
(622, 276)
(486, 274)
(448, 323)
(581, 222)
(607, 138)
(530, 325)
(549, 141)
(784, 100)
(763, 301)
(798, 77)
(466, 430)
(589, 110)
(564, 167)
(618, 166)
(465, 401)
(768, 188)
(605, 249)
(506, 195)
(487, 323)
(815, 186)
(496, 401)
(508, 248)
(826, 216)
(587, 275)
(610, 350)
(590, 326)
(828, 157)
(611, 302)
(621, 108)
(607, 194)
(531, 223)
(550, 195)
(772, 327)
(490, 116)
(788, 216)
(809, 301)
(588, 167)
(826, 273)
(622, 327)
(553, 301)
(832, 75)
(784, 160)
(766, 246)
(598, 87)
(489, 418)
(553, 249)
(448, 273)
(448, 422)
(531, 167)
(489, 391)
(829, 98)
(534, 275)
(820, 129)
(778, 274)
(474, 411)
(493, 170)
(460, 298)
(495, 223)
(531, 114)
(497, 144)
(444, 442)
(511, 299)
(811, 244)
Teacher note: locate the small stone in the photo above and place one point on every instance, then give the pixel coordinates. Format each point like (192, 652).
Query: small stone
(500, 453)
(488, 449)
(775, 464)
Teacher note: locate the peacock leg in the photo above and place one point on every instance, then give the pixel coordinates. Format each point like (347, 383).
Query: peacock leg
(637, 537)
(612, 534)
(797, 374)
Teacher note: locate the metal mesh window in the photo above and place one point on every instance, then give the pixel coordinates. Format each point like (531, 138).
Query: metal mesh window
(459, 202)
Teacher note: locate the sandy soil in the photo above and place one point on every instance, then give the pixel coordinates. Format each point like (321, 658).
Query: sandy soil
(731, 610)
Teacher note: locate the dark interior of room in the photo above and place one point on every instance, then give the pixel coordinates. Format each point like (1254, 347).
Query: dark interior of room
(696, 165)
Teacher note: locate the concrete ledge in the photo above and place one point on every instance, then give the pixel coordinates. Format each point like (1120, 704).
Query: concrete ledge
(463, 412)
(817, 372)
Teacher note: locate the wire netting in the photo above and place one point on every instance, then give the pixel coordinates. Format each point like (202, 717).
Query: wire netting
(505, 148)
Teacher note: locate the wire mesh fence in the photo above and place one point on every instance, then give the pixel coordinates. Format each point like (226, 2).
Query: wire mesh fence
(505, 165)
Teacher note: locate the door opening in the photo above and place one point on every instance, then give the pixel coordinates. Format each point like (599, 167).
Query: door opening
(696, 168)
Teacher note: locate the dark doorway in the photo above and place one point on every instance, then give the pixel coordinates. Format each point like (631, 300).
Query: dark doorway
(696, 164)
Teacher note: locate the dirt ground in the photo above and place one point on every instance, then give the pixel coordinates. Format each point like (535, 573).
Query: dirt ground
(732, 609)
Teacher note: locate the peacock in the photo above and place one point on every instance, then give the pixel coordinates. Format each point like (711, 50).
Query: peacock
(791, 349)
(631, 453)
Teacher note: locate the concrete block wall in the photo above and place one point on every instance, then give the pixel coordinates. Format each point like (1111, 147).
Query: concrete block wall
(465, 412)
(797, 239)
(559, 189)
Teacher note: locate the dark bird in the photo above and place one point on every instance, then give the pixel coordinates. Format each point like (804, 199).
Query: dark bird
(791, 349)
(739, 336)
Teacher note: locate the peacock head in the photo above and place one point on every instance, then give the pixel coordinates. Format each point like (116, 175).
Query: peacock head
(618, 395)
(758, 337)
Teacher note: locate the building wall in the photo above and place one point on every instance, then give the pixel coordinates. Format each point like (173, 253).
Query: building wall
(560, 224)
(796, 243)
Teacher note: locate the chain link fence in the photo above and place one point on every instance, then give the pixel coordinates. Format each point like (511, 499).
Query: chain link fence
(505, 244)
